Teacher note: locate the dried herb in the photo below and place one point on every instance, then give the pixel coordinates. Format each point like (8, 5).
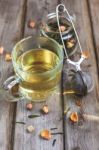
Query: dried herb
(20, 122)
(54, 141)
(56, 133)
(33, 116)
(53, 128)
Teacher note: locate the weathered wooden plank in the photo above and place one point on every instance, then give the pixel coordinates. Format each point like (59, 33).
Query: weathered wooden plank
(24, 140)
(93, 10)
(10, 26)
(84, 134)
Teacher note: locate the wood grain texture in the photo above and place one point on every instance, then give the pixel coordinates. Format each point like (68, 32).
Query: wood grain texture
(10, 32)
(94, 17)
(84, 134)
(23, 140)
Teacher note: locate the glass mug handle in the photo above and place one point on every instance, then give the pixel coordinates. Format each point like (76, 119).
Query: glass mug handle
(8, 85)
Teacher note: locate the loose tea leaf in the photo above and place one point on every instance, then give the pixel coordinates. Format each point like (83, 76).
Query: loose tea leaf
(33, 116)
(56, 133)
(54, 141)
(53, 128)
(19, 122)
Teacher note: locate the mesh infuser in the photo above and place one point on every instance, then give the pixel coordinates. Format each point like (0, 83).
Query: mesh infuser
(82, 81)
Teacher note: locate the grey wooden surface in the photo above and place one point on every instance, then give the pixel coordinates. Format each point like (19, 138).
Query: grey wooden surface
(14, 16)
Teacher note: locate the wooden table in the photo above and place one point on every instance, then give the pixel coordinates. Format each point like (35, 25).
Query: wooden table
(14, 16)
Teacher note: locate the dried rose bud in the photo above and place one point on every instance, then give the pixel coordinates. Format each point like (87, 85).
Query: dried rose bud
(70, 44)
(62, 28)
(85, 53)
(45, 109)
(31, 24)
(30, 129)
(74, 117)
(8, 57)
(29, 106)
(1, 50)
(45, 134)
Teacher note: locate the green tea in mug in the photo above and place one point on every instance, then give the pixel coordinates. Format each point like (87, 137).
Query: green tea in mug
(38, 66)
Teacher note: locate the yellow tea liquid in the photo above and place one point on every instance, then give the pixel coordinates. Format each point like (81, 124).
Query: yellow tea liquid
(38, 76)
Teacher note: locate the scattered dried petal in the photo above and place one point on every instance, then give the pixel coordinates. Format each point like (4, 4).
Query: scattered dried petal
(85, 53)
(78, 103)
(74, 117)
(30, 129)
(70, 44)
(29, 106)
(1, 50)
(45, 109)
(45, 134)
(8, 57)
(31, 24)
(62, 28)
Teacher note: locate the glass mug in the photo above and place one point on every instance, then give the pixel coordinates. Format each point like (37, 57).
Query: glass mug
(49, 28)
(37, 63)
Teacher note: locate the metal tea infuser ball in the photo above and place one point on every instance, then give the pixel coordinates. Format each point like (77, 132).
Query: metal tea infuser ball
(82, 81)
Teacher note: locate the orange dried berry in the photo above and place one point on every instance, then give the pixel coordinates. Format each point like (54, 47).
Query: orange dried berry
(45, 134)
(1, 50)
(74, 117)
(62, 28)
(85, 53)
(45, 109)
(31, 24)
(8, 57)
(29, 106)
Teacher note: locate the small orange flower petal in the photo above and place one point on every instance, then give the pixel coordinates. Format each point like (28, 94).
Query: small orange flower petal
(8, 57)
(31, 24)
(29, 106)
(74, 117)
(62, 28)
(85, 53)
(45, 134)
(45, 109)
